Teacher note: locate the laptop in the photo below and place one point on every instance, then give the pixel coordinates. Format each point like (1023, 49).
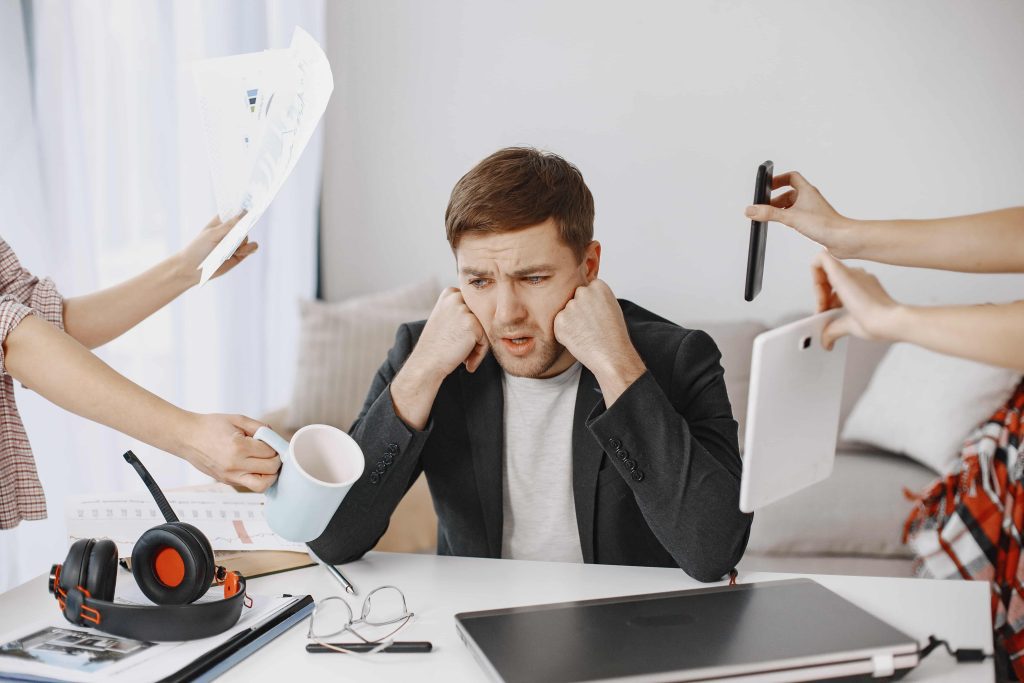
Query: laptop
(792, 630)
(796, 388)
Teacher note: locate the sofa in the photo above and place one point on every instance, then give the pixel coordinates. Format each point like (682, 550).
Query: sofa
(850, 523)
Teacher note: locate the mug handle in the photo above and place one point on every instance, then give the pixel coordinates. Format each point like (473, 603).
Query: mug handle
(274, 440)
(278, 442)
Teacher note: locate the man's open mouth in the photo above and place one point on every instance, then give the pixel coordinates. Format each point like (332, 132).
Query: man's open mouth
(518, 345)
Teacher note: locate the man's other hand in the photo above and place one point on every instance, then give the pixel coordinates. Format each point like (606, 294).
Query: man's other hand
(592, 328)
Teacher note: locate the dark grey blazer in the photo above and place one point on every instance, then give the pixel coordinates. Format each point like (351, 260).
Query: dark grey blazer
(678, 507)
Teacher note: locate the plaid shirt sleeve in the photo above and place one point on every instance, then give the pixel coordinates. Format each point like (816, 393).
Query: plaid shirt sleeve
(21, 294)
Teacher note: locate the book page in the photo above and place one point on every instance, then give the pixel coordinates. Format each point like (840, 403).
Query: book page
(231, 521)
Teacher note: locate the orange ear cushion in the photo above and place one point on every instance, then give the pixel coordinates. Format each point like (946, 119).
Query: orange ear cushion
(154, 564)
(168, 567)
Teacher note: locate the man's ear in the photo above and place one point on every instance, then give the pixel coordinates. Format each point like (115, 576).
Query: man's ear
(591, 261)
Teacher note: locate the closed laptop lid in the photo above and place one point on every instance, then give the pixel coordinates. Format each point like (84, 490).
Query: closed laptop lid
(737, 630)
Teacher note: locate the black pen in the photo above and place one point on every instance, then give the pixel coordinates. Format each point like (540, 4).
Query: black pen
(398, 647)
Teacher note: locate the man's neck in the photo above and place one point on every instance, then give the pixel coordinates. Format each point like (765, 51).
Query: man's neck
(564, 362)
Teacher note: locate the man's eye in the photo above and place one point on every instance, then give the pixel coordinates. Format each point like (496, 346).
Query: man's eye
(478, 283)
(536, 279)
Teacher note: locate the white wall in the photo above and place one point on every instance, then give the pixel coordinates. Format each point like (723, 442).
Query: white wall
(908, 109)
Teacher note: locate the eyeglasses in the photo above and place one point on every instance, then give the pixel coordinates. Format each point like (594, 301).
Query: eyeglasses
(383, 606)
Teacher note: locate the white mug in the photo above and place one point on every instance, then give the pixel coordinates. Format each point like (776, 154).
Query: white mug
(318, 468)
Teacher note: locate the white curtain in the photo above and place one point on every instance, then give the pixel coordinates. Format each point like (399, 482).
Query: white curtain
(115, 178)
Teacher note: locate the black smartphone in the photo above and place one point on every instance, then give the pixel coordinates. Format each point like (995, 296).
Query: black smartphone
(758, 232)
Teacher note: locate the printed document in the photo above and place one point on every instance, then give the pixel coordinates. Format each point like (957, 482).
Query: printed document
(259, 111)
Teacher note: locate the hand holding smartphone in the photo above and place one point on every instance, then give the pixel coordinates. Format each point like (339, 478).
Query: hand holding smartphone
(758, 232)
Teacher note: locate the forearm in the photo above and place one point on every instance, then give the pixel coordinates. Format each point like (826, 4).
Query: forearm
(413, 392)
(991, 242)
(987, 333)
(392, 463)
(620, 371)
(95, 319)
(689, 489)
(61, 370)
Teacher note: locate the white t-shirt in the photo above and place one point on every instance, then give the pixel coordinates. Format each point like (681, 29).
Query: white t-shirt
(539, 511)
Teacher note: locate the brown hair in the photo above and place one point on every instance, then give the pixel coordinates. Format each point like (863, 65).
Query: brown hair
(518, 187)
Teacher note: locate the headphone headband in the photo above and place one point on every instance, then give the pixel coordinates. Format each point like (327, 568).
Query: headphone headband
(158, 623)
(173, 564)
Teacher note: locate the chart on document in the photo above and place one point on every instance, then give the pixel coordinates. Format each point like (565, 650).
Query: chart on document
(232, 521)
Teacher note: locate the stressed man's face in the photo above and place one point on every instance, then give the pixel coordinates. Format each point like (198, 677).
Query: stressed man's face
(515, 283)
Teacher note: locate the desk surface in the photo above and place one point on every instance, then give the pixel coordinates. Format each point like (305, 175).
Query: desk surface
(439, 587)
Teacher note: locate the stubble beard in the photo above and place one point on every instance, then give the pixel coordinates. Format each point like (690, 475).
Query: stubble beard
(544, 356)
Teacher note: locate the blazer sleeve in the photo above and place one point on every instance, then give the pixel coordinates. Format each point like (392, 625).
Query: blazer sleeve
(685, 457)
(392, 464)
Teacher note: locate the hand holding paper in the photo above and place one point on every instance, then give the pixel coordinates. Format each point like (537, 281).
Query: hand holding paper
(196, 251)
(259, 112)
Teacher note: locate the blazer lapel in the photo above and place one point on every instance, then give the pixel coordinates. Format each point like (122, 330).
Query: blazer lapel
(586, 459)
(485, 417)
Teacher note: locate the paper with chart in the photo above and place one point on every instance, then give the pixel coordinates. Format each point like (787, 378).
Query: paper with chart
(232, 521)
(259, 111)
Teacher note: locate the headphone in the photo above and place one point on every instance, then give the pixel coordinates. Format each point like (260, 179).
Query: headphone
(173, 565)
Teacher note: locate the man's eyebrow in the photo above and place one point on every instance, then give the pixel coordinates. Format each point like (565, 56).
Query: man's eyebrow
(522, 272)
(530, 270)
(474, 272)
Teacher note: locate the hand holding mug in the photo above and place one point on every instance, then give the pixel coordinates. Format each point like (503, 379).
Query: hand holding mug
(221, 446)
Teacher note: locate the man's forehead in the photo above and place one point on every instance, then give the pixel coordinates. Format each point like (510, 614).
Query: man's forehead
(508, 252)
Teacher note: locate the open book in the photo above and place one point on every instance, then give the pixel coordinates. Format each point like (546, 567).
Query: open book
(232, 521)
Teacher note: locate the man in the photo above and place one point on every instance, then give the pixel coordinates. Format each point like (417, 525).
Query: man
(552, 421)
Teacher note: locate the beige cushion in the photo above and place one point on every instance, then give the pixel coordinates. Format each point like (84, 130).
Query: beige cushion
(862, 358)
(859, 510)
(924, 404)
(342, 344)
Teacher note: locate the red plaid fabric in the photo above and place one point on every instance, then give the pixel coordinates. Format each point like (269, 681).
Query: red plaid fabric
(967, 525)
(21, 293)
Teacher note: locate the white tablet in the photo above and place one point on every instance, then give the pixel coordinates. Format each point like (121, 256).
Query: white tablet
(796, 387)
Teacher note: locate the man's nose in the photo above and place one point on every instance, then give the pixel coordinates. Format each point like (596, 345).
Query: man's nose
(509, 309)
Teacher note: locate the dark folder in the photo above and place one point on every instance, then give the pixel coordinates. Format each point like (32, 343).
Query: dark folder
(217, 661)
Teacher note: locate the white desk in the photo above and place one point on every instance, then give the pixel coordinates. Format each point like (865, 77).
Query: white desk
(439, 587)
